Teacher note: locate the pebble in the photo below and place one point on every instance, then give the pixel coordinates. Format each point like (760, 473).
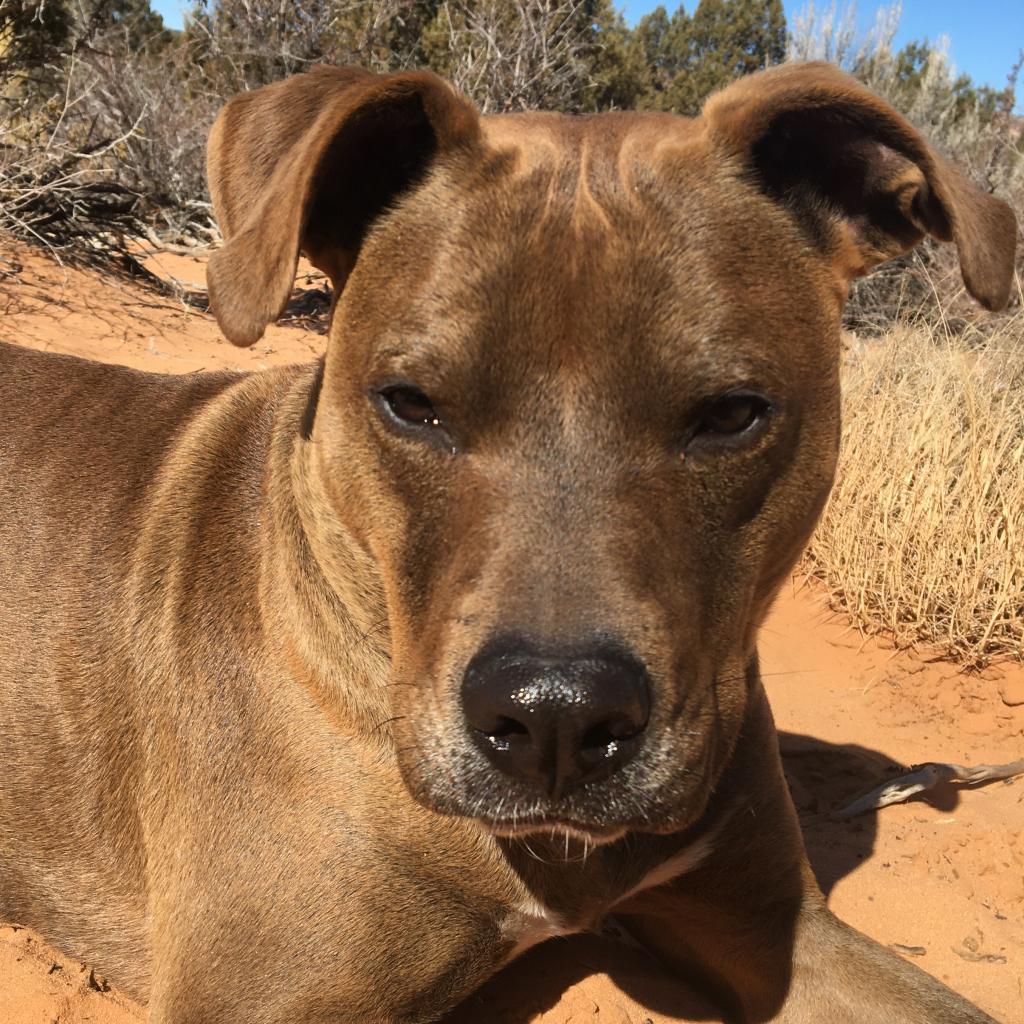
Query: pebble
(1012, 692)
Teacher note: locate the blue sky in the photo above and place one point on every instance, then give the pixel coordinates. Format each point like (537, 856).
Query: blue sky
(985, 36)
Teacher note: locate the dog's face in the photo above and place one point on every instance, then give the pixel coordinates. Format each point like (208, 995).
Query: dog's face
(585, 433)
(581, 406)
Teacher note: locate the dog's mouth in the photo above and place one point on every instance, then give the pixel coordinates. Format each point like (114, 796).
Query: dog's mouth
(553, 829)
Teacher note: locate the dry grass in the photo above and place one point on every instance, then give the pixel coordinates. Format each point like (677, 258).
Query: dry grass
(923, 536)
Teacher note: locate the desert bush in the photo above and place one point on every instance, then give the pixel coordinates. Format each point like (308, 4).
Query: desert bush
(244, 44)
(98, 137)
(160, 111)
(519, 55)
(99, 101)
(55, 185)
(504, 54)
(923, 536)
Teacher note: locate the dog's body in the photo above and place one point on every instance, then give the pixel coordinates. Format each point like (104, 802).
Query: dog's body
(242, 617)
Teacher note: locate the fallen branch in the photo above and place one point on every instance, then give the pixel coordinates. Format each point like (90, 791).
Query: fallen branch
(192, 246)
(923, 777)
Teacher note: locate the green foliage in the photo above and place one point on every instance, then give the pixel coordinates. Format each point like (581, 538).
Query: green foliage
(38, 33)
(615, 62)
(910, 74)
(689, 57)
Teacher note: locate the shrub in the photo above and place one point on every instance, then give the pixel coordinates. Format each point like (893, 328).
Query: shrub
(924, 533)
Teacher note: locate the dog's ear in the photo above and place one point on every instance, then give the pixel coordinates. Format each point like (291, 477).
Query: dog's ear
(858, 177)
(306, 165)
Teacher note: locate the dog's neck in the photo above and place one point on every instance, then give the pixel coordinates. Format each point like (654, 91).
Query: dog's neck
(321, 589)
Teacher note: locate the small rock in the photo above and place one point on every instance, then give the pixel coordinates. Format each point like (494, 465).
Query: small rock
(96, 982)
(912, 665)
(899, 947)
(1012, 691)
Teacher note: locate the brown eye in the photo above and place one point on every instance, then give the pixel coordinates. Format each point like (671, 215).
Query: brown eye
(734, 414)
(411, 406)
(731, 419)
(407, 410)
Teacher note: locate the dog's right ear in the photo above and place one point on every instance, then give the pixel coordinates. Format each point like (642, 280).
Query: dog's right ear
(306, 165)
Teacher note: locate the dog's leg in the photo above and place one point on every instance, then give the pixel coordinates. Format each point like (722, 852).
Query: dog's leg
(750, 923)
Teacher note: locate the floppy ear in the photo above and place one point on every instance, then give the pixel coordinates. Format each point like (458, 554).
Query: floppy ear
(306, 165)
(858, 177)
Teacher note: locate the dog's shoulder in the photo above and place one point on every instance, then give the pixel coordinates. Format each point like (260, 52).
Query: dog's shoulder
(33, 377)
(81, 436)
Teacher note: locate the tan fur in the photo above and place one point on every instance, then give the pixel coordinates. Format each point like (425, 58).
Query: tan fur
(235, 610)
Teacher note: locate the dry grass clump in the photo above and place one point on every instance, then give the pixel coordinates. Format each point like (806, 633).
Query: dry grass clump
(923, 536)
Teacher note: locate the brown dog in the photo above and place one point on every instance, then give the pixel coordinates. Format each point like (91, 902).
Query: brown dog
(447, 644)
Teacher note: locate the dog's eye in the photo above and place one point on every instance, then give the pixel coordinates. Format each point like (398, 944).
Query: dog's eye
(732, 418)
(734, 414)
(411, 406)
(407, 409)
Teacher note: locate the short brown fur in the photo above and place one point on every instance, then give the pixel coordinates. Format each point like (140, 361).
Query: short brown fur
(235, 609)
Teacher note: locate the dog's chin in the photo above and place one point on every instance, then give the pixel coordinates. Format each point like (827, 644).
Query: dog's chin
(590, 820)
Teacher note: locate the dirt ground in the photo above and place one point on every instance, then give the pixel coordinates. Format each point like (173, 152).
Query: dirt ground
(941, 877)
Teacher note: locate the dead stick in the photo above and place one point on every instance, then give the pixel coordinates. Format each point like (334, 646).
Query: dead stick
(922, 777)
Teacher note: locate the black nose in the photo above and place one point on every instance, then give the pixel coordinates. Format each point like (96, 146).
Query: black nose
(556, 722)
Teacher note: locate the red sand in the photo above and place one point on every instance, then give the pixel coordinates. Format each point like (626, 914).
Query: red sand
(944, 873)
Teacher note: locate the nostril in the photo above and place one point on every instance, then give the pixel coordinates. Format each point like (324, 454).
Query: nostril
(607, 741)
(504, 734)
(599, 737)
(612, 730)
(509, 727)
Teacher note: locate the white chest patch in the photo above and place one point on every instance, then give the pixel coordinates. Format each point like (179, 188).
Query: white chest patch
(530, 924)
(679, 863)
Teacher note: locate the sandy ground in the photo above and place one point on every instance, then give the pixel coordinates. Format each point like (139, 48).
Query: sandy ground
(942, 876)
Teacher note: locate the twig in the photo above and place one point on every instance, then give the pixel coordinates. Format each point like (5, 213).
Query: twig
(171, 247)
(922, 777)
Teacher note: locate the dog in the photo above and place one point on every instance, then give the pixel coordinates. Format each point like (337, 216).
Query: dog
(387, 668)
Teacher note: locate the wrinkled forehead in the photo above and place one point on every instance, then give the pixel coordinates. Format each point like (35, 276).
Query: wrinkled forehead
(590, 242)
(586, 200)
(605, 151)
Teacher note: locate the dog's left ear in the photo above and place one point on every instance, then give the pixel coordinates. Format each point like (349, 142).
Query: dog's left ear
(857, 176)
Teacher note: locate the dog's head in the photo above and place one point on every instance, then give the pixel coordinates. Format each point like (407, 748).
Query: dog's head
(580, 400)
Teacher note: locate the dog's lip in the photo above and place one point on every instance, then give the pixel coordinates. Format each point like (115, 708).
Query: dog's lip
(520, 828)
